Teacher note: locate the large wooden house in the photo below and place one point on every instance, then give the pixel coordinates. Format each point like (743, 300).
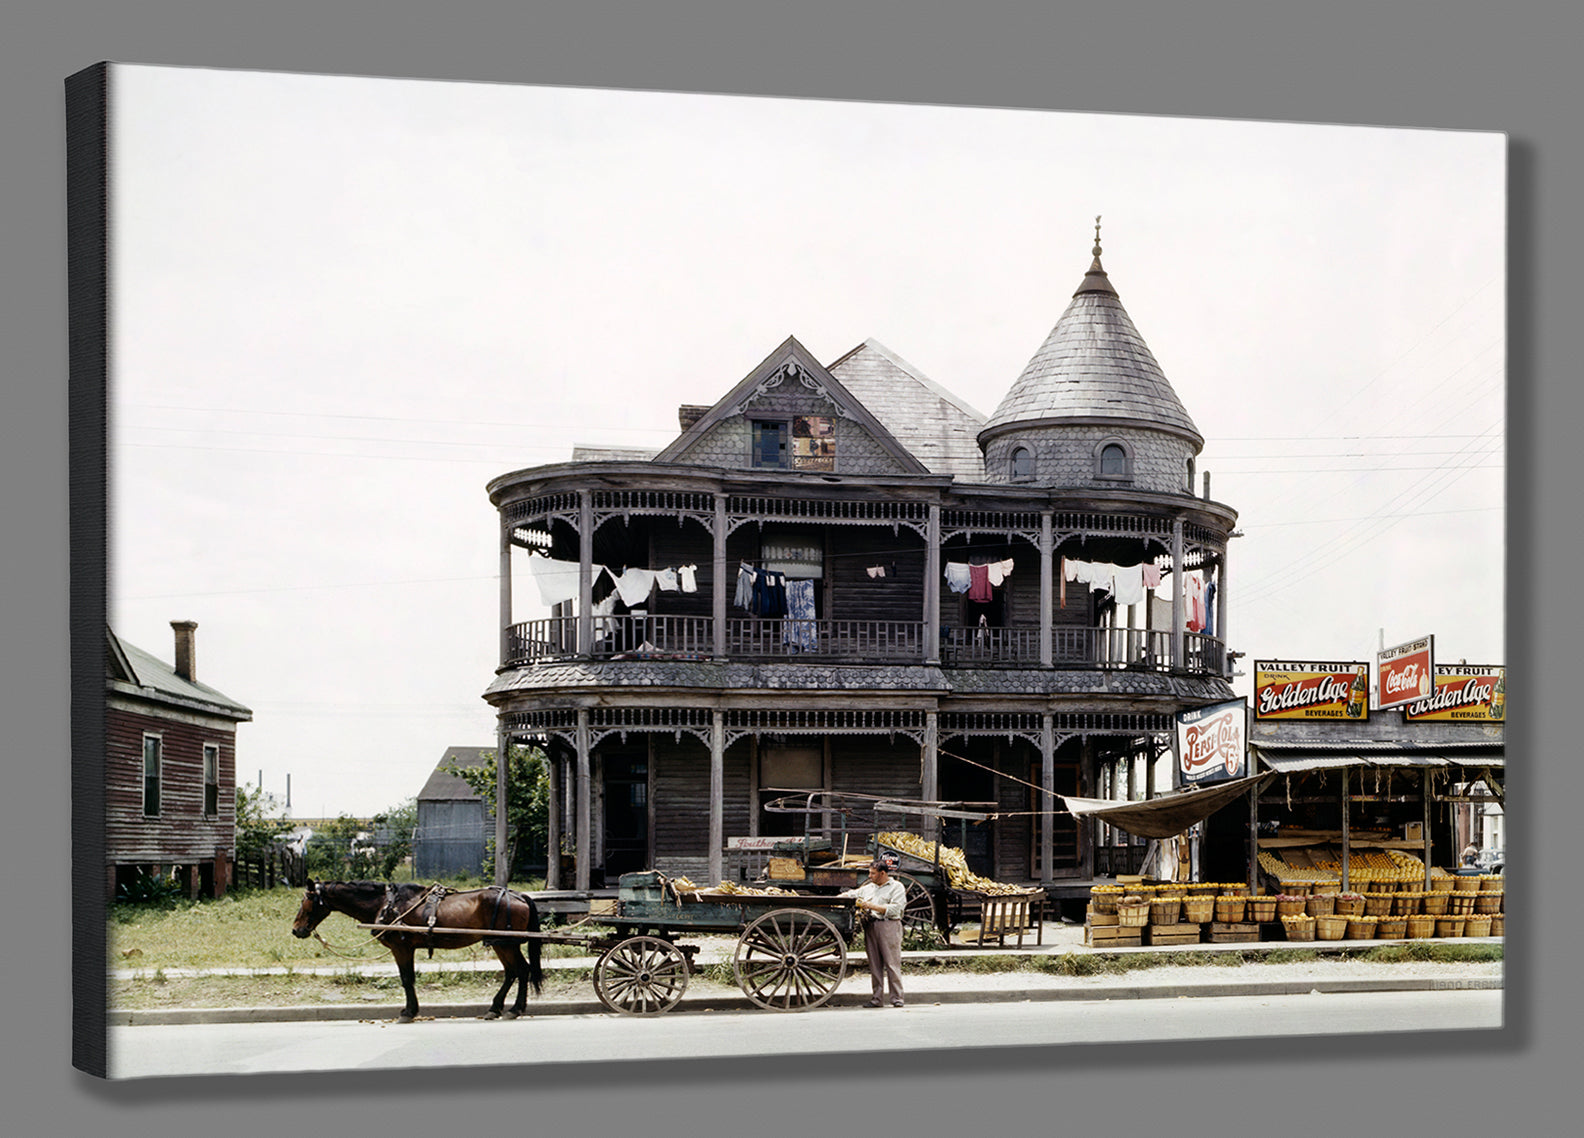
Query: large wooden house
(841, 577)
(170, 768)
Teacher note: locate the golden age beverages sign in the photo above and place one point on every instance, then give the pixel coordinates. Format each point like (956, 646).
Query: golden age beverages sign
(1298, 690)
(1463, 693)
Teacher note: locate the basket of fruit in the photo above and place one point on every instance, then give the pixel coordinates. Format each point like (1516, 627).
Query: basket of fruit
(1262, 909)
(1299, 927)
(1379, 904)
(1349, 905)
(1407, 904)
(1104, 898)
(1229, 910)
(1391, 928)
(1330, 927)
(1133, 911)
(1321, 904)
(1421, 926)
(1492, 883)
(1449, 926)
(1198, 910)
(1165, 910)
(1498, 925)
(1361, 928)
(1477, 925)
(1436, 901)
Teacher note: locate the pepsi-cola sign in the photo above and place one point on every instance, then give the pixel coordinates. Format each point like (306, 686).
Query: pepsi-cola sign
(1212, 742)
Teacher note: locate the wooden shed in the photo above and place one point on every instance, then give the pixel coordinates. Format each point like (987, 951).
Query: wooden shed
(453, 822)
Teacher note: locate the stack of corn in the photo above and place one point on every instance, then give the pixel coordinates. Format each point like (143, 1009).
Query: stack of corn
(953, 862)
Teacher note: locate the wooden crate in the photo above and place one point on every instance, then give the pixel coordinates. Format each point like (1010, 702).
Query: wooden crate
(1113, 936)
(1180, 933)
(785, 869)
(1098, 919)
(1232, 933)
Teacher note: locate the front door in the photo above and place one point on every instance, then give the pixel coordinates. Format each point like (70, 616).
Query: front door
(626, 813)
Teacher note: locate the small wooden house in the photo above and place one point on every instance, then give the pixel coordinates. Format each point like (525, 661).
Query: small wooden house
(170, 768)
(841, 577)
(453, 820)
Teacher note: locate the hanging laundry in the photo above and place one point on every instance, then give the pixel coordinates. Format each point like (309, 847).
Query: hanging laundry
(666, 579)
(979, 583)
(1161, 614)
(1127, 584)
(557, 580)
(1209, 622)
(635, 585)
(1152, 575)
(1000, 570)
(1061, 577)
(604, 624)
(957, 576)
(689, 578)
(769, 596)
(799, 629)
(746, 576)
(1195, 602)
(1073, 569)
(876, 571)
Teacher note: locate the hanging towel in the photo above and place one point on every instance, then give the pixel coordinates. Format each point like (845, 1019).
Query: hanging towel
(876, 570)
(799, 629)
(688, 575)
(1152, 576)
(1000, 570)
(604, 624)
(557, 580)
(635, 585)
(745, 587)
(1128, 584)
(667, 580)
(957, 576)
(979, 583)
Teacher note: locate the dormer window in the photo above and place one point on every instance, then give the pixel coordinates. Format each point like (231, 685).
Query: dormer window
(1021, 467)
(1114, 461)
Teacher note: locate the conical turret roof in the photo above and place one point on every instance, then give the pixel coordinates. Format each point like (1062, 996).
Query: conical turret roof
(1093, 365)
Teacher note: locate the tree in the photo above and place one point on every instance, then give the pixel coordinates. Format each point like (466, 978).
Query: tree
(393, 833)
(527, 803)
(259, 821)
(335, 851)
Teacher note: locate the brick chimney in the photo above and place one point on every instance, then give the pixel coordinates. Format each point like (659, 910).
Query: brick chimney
(690, 413)
(186, 655)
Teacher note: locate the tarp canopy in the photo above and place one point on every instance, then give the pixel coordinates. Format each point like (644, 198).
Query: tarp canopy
(1169, 815)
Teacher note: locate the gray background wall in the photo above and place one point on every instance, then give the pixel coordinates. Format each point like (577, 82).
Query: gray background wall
(1462, 64)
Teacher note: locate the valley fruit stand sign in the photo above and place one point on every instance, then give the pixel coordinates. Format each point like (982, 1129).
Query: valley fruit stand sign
(1290, 690)
(1463, 693)
(1212, 742)
(1406, 672)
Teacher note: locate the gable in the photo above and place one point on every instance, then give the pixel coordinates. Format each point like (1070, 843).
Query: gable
(823, 428)
(936, 426)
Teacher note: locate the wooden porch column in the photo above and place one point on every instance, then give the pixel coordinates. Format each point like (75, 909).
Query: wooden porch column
(1047, 578)
(1085, 828)
(1221, 615)
(1424, 791)
(718, 596)
(585, 618)
(932, 582)
(930, 776)
(502, 758)
(1345, 842)
(1047, 814)
(580, 786)
(1253, 842)
(1179, 595)
(505, 592)
(717, 807)
(553, 817)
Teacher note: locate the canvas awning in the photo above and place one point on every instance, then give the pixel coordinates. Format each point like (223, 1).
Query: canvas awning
(1168, 815)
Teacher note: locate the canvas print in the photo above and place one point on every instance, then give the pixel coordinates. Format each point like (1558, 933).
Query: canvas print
(597, 574)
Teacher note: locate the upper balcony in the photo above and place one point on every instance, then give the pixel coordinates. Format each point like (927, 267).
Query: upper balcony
(857, 642)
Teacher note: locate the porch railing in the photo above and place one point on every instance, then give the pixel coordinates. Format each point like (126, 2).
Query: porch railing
(692, 637)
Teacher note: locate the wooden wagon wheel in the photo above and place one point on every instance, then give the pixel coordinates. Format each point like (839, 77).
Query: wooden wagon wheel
(641, 976)
(919, 910)
(790, 959)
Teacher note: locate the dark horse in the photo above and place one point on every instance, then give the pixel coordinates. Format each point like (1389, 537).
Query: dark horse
(428, 908)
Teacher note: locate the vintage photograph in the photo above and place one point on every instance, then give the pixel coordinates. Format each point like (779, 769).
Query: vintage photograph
(602, 574)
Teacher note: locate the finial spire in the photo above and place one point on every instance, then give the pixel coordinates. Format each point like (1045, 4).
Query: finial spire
(1097, 235)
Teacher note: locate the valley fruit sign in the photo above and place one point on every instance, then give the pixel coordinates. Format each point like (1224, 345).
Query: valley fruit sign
(1406, 672)
(1287, 690)
(1463, 693)
(1212, 742)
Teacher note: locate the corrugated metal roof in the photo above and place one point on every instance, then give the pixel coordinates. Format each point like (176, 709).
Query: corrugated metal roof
(1310, 761)
(1094, 364)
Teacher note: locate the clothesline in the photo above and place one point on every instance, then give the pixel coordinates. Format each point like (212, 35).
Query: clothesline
(558, 580)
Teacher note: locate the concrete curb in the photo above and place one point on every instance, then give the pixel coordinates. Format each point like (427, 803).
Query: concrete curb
(918, 996)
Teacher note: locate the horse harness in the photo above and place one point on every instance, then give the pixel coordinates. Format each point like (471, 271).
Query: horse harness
(431, 908)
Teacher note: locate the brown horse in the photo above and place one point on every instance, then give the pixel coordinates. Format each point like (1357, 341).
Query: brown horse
(426, 908)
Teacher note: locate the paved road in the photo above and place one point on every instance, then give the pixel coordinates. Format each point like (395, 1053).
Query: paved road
(154, 1051)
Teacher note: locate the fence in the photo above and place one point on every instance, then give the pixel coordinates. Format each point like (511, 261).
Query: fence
(269, 869)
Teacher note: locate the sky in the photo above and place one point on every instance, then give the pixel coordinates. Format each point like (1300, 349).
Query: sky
(342, 305)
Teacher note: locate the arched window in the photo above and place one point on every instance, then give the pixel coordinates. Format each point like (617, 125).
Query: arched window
(1113, 461)
(1190, 476)
(1022, 465)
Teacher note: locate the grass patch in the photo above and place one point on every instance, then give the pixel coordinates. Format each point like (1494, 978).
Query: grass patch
(1433, 953)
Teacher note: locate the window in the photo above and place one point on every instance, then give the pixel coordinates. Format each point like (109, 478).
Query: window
(151, 776)
(211, 779)
(1022, 463)
(769, 444)
(1190, 476)
(1113, 460)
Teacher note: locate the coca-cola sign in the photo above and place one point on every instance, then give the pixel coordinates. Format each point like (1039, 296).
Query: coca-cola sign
(1212, 742)
(1328, 690)
(1407, 672)
(1463, 693)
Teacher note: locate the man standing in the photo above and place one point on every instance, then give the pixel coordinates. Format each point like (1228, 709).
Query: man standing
(880, 904)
